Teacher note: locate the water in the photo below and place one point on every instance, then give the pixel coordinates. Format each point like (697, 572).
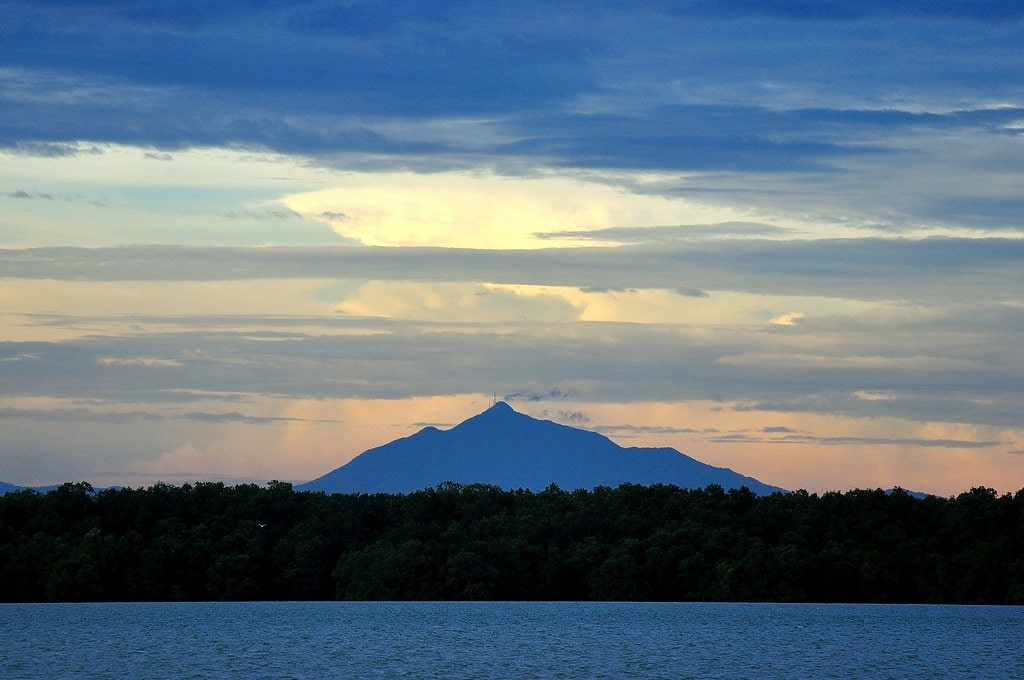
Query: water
(508, 640)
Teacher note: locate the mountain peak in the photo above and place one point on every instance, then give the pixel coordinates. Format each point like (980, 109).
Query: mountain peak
(498, 408)
(512, 450)
(501, 407)
(499, 415)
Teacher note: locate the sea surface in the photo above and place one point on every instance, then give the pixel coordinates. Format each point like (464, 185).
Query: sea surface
(508, 640)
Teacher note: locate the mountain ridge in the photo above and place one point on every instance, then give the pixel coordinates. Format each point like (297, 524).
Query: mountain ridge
(509, 449)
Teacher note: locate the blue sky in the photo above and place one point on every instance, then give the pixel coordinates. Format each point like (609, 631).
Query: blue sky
(249, 242)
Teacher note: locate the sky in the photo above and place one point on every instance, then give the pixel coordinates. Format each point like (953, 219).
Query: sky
(248, 241)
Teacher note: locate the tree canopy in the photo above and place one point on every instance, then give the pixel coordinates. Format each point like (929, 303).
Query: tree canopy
(209, 541)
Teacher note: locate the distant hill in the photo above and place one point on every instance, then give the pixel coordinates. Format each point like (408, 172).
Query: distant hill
(7, 487)
(511, 450)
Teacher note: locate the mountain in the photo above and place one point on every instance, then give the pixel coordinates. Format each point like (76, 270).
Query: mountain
(7, 487)
(511, 450)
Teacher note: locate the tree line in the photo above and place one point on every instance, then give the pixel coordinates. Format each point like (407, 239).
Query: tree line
(210, 541)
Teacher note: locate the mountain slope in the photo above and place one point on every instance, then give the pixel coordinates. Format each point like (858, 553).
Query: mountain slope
(509, 449)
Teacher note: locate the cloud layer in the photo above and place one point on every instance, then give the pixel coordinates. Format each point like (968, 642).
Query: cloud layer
(250, 241)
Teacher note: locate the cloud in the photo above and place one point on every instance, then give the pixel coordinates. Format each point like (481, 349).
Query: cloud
(553, 393)
(87, 415)
(809, 10)
(758, 207)
(274, 214)
(793, 135)
(281, 50)
(456, 302)
(695, 137)
(874, 396)
(823, 361)
(53, 149)
(668, 234)
(189, 461)
(575, 418)
(938, 269)
(236, 417)
(983, 212)
(140, 361)
(76, 415)
(26, 194)
(554, 88)
(633, 430)
(860, 441)
(789, 319)
(626, 362)
(406, 209)
(211, 196)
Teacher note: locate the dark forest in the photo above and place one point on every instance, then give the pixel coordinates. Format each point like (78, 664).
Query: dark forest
(209, 541)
